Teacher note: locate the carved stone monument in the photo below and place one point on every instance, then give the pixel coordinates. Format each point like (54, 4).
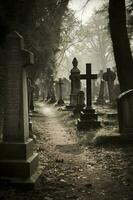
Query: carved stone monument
(101, 99)
(75, 84)
(110, 76)
(80, 103)
(18, 163)
(88, 117)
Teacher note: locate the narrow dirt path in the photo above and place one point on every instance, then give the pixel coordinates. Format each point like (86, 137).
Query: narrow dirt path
(71, 171)
(56, 131)
(76, 172)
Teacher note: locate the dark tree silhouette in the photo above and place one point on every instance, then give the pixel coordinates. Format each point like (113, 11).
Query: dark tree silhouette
(121, 46)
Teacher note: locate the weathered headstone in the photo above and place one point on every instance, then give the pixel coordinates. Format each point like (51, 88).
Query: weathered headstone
(101, 99)
(66, 88)
(81, 99)
(80, 103)
(110, 76)
(94, 90)
(88, 117)
(18, 163)
(60, 101)
(125, 113)
(75, 84)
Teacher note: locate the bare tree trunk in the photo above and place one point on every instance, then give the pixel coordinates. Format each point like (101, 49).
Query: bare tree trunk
(121, 46)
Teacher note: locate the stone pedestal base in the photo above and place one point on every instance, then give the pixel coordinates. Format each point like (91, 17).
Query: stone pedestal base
(18, 163)
(88, 120)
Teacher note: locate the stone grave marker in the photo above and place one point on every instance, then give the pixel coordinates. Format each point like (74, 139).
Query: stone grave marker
(110, 76)
(75, 84)
(80, 103)
(60, 101)
(18, 163)
(94, 89)
(88, 117)
(66, 89)
(125, 113)
(101, 99)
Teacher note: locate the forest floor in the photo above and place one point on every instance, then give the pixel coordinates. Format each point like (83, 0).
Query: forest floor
(75, 165)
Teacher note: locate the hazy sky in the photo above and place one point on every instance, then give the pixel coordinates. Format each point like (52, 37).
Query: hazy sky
(83, 13)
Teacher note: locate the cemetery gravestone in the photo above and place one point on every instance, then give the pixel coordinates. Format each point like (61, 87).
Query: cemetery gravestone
(80, 103)
(75, 84)
(81, 100)
(100, 99)
(18, 163)
(88, 117)
(66, 88)
(60, 101)
(94, 89)
(125, 113)
(110, 76)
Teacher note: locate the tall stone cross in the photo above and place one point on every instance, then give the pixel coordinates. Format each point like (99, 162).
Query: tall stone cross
(88, 77)
(17, 159)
